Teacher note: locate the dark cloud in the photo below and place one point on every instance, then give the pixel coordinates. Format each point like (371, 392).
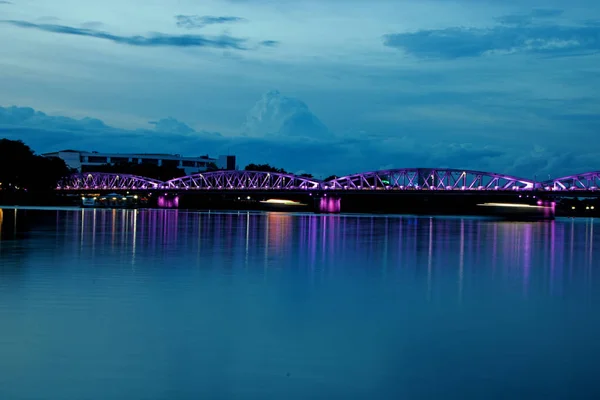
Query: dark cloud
(542, 163)
(515, 34)
(28, 117)
(456, 154)
(533, 16)
(200, 21)
(546, 13)
(578, 117)
(171, 125)
(269, 43)
(515, 19)
(5, 2)
(154, 40)
(92, 25)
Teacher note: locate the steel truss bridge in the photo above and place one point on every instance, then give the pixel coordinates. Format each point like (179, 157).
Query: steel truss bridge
(408, 179)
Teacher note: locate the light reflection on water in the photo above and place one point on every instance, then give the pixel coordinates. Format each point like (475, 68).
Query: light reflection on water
(155, 304)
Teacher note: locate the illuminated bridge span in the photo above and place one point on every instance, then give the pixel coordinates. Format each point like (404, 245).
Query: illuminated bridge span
(429, 179)
(107, 181)
(586, 181)
(248, 180)
(385, 180)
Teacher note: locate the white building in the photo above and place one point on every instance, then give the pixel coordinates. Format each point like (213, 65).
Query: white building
(83, 160)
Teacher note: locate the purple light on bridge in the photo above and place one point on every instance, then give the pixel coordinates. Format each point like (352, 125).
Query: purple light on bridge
(393, 179)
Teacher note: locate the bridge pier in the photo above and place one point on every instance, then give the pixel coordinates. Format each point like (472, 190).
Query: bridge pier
(328, 204)
(168, 200)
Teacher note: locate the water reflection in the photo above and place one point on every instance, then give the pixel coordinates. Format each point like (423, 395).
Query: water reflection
(170, 304)
(556, 252)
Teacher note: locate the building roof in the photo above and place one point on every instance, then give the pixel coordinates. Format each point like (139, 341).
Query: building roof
(142, 155)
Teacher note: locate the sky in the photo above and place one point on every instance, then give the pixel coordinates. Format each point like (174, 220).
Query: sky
(323, 87)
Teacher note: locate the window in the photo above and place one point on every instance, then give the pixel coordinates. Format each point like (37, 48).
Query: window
(170, 163)
(119, 160)
(97, 160)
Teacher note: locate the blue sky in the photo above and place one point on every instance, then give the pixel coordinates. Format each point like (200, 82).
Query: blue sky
(328, 87)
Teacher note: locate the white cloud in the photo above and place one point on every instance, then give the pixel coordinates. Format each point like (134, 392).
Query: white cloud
(278, 115)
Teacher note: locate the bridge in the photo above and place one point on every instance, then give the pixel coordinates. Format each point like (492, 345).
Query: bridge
(409, 179)
(407, 190)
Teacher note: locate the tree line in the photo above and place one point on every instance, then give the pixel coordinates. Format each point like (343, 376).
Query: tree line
(21, 170)
(269, 168)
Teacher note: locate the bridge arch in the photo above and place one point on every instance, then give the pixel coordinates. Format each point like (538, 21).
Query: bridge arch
(429, 179)
(243, 180)
(584, 181)
(107, 181)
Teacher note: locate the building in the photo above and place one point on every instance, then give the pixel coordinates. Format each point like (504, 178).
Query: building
(86, 161)
(226, 162)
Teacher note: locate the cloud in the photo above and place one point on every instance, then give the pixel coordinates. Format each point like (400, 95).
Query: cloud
(542, 163)
(546, 13)
(284, 132)
(171, 125)
(526, 19)
(515, 34)
(28, 117)
(92, 25)
(321, 156)
(154, 40)
(200, 21)
(279, 115)
(5, 2)
(455, 154)
(269, 43)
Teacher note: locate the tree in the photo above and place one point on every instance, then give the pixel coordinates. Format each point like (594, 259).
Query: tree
(264, 168)
(211, 166)
(329, 178)
(21, 169)
(309, 176)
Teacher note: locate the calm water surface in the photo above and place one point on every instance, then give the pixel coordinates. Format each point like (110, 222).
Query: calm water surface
(107, 304)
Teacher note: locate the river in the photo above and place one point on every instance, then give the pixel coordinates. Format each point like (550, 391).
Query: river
(167, 304)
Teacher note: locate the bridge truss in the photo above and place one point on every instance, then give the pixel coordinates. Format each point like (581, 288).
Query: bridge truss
(246, 180)
(581, 182)
(429, 179)
(394, 179)
(107, 181)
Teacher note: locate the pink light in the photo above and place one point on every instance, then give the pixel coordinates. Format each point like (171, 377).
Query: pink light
(168, 202)
(330, 205)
